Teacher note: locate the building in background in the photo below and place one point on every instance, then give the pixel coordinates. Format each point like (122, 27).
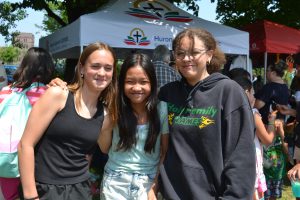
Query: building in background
(24, 40)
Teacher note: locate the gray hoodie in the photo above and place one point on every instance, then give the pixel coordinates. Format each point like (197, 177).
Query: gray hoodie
(211, 153)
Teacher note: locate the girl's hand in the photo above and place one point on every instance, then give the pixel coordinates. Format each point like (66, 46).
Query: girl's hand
(272, 116)
(57, 82)
(294, 173)
(279, 127)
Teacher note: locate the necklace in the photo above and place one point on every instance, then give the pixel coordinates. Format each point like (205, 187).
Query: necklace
(142, 118)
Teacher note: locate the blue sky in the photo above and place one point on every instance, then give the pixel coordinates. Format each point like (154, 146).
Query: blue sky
(207, 11)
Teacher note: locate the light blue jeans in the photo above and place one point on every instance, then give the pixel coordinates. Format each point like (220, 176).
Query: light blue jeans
(125, 186)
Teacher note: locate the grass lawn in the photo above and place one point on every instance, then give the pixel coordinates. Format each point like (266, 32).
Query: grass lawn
(287, 191)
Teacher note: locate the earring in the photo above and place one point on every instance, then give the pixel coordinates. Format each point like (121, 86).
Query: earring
(81, 75)
(207, 62)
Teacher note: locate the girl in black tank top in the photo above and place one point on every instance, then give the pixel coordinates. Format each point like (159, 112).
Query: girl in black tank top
(63, 128)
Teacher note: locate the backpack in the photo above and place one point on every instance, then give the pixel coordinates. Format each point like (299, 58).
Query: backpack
(14, 112)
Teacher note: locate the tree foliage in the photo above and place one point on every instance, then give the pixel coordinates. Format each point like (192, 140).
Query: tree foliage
(238, 13)
(9, 54)
(8, 17)
(49, 25)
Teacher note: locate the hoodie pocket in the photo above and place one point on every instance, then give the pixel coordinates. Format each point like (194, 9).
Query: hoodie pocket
(199, 180)
(187, 182)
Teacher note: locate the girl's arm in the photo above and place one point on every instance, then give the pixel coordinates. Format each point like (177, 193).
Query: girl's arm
(105, 136)
(285, 110)
(163, 150)
(265, 134)
(39, 119)
(280, 132)
(163, 147)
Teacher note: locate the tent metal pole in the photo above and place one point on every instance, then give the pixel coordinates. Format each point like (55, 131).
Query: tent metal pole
(265, 66)
(248, 66)
(81, 49)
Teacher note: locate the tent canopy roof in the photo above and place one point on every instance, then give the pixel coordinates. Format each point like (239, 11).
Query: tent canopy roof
(267, 36)
(137, 24)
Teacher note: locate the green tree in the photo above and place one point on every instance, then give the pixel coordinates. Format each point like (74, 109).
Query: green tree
(9, 54)
(49, 25)
(238, 13)
(8, 17)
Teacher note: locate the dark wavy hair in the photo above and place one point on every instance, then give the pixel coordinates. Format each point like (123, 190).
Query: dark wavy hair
(127, 121)
(218, 58)
(37, 65)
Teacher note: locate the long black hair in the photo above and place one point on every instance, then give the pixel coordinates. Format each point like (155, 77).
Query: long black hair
(37, 65)
(127, 121)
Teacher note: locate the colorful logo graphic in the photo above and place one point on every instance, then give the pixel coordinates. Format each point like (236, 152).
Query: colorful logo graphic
(197, 117)
(137, 37)
(153, 9)
(205, 122)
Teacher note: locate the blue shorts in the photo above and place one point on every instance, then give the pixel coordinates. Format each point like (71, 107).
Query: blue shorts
(122, 185)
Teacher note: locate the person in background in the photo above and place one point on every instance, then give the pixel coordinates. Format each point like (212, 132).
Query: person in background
(239, 72)
(210, 155)
(3, 76)
(294, 113)
(36, 67)
(294, 174)
(63, 128)
(295, 85)
(138, 143)
(263, 135)
(274, 92)
(164, 72)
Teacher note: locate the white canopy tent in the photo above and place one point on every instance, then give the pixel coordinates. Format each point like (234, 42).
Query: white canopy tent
(137, 24)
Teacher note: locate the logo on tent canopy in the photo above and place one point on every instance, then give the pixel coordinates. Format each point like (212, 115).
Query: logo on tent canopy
(137, 37)
(153, 9)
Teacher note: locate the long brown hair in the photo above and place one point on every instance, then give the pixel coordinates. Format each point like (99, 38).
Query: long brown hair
(108, 95)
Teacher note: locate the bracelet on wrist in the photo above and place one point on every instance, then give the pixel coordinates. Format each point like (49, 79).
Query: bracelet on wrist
(33, 198)
(271, 123)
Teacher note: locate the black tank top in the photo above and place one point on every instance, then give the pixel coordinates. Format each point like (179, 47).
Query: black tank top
(60, 155)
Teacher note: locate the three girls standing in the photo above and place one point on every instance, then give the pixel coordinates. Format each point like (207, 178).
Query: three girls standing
(211, 154)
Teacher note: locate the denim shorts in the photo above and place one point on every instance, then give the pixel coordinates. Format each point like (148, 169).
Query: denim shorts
(125, 186)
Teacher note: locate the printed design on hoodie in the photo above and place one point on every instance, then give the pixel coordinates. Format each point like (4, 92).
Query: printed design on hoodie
(200, 117)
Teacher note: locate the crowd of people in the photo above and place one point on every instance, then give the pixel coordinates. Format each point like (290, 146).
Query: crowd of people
(185, 131)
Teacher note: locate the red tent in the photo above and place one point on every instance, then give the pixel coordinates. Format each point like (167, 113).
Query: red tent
(266, 36)
(269, 37)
